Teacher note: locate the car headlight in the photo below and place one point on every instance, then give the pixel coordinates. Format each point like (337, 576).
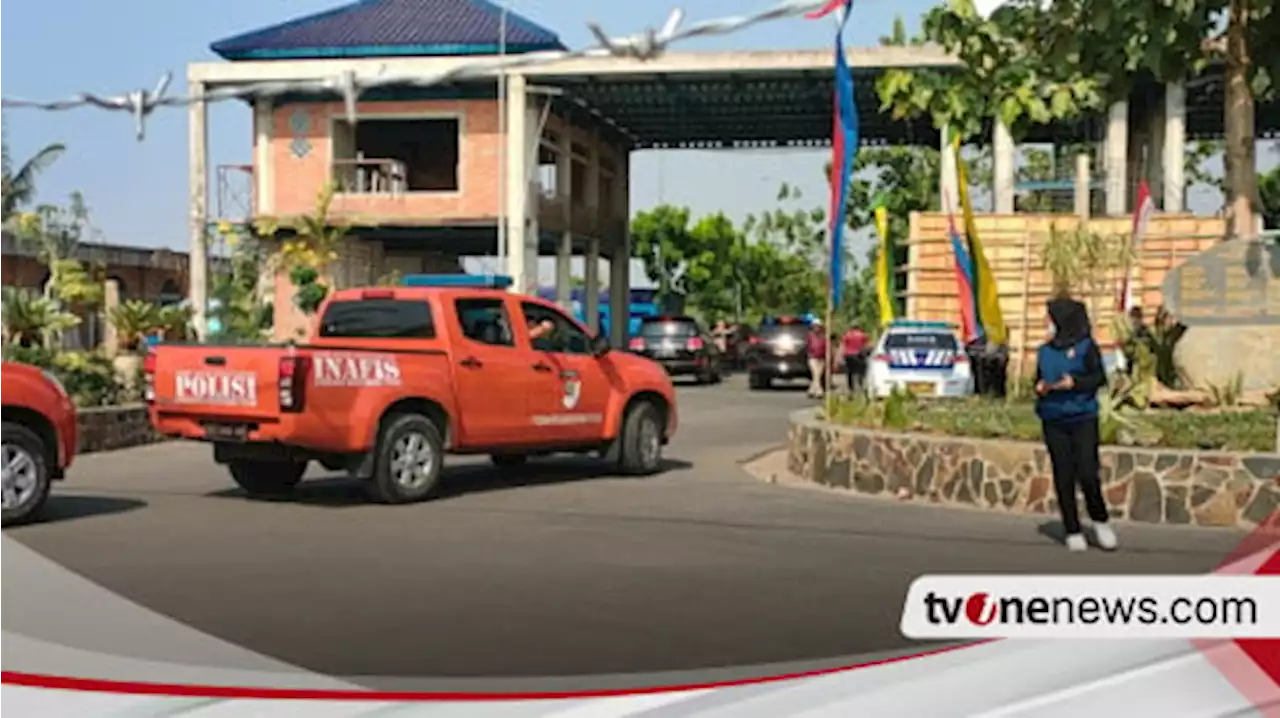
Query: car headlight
(57, 383)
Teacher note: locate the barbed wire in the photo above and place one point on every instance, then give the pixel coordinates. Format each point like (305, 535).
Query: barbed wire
(642, 47)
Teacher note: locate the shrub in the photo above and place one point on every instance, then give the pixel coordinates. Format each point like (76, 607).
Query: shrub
(89, 377)
(988, 418)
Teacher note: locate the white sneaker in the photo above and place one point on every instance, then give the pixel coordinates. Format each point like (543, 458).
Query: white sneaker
(1105, 536)
(1076, 542)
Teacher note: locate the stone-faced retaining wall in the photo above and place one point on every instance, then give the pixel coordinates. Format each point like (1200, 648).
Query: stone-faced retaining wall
(1153, 486)
(113, 427)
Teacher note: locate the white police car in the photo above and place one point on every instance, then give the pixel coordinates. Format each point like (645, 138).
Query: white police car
(922, 358)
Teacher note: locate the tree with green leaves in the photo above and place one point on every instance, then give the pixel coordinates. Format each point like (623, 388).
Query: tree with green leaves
(235, 299)
(18, 182)
(1004, 76)
(1037, 62)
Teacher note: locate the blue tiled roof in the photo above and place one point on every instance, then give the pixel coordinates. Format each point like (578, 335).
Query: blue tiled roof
(382, 28)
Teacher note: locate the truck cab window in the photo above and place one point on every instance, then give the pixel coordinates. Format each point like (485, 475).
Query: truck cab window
(565, 338)
(378, 319)
(485, 321)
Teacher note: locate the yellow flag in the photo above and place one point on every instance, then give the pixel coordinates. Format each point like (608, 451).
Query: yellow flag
(988, 296)
(884, 283)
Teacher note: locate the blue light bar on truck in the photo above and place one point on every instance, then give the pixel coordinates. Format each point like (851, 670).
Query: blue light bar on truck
(458, 281)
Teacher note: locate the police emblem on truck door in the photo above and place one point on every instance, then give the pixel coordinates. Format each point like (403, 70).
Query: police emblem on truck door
(572, 393)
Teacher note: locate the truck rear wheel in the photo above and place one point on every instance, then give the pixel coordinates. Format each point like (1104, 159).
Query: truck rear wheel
(25, 464)
(410, 454)
(639, 448)
(267, 478)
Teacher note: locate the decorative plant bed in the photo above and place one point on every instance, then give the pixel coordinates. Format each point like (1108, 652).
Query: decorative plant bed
(1152, 485)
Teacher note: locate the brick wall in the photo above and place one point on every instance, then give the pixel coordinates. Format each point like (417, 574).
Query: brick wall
(136, 282)
(297, 179)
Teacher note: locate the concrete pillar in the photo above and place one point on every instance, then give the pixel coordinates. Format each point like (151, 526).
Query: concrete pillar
(564, 250)
(947, 187)
(1175, 147)
(198, 254)
(620, 292)
(620, 264)
(1117, 158)
(564, 271)
(1153, 161)
(263, 165)
(591, 273)
(1003, 153)
(1084, 185)
(110, 300)
(516, 212)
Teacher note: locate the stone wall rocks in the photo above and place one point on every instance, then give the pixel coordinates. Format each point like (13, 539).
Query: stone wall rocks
(1148, 485)
(106, 428)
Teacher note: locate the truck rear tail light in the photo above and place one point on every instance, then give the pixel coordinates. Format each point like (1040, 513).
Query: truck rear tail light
(636, 345)
(961, 358)
(292, 383)
(695, 344)
(149, 377)
(884, 358)
(378, 294)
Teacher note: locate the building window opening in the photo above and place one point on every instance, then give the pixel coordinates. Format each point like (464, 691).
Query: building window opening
(390, 156)
(578, 183)
(548, 172)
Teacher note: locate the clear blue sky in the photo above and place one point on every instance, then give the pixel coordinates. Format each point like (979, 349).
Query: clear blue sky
(137, 192)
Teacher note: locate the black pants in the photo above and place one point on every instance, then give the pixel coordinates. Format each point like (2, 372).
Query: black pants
(1073, 451)
(855, 368)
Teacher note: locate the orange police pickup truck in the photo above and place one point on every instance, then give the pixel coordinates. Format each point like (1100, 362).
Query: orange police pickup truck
(392, 378)
(39, 438)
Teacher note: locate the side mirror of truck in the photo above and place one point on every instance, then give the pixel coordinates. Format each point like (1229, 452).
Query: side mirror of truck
(600, 345)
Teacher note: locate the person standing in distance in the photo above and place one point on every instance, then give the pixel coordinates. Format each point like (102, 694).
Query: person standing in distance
(1069, 374)
(816, 350)
(853, 348)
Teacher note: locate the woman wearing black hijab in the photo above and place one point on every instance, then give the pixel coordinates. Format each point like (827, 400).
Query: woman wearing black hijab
(1069, 374)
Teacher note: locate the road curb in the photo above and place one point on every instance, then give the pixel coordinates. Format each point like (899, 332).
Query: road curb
(757, 455)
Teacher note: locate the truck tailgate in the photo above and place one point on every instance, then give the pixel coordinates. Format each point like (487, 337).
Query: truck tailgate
(234, 383)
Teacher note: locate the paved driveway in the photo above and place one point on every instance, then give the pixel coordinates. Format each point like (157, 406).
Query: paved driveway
(549, 571)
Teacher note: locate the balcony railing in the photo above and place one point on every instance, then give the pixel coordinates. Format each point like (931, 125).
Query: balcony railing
(365, 176)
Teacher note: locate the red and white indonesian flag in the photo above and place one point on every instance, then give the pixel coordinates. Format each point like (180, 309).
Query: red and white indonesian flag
(1141, 217)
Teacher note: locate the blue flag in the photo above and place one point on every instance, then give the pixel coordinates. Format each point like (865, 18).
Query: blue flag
(844, 147)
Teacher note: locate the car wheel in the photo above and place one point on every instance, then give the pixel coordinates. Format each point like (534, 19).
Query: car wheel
(757, 382)
(508, 460)
(410, 454)
(26, 473)
(261, 478)
(640, 443)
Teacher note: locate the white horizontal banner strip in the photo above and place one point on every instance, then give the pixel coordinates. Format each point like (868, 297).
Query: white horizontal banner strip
(1127, 607)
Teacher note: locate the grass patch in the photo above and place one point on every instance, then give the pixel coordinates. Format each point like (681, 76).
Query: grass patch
(995, 419)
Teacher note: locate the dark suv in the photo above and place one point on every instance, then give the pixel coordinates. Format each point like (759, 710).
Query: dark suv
(680, 345)
(777, 351)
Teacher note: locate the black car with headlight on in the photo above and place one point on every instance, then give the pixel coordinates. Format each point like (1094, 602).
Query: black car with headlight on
(680, 345)
(777, 353)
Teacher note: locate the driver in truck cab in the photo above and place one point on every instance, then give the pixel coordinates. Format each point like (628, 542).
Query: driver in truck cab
(394, 378)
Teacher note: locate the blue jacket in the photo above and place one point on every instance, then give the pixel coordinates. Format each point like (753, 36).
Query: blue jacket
(1083, 362)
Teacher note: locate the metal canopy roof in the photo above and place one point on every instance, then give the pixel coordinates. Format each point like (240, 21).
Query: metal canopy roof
(792, 108)
(785, 108)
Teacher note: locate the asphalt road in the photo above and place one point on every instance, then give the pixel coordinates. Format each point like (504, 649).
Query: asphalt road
(550, 570)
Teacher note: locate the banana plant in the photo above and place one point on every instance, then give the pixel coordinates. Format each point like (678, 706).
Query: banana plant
(31, 320)
(133, 321)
